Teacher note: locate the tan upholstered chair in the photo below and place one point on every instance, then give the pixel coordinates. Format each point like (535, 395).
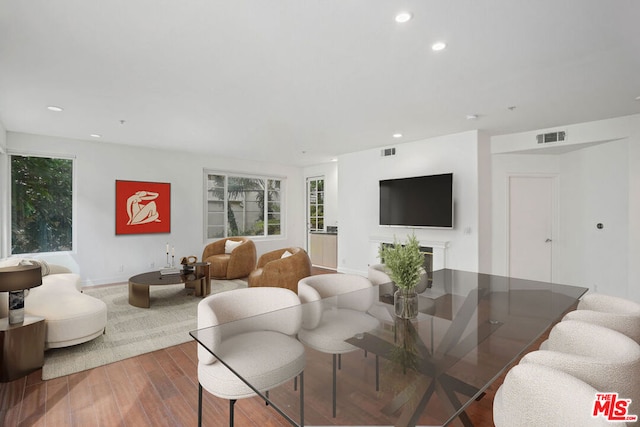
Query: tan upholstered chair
(230, 258)
(275, 271)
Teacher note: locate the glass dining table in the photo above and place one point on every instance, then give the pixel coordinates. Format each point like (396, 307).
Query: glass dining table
(418, 372)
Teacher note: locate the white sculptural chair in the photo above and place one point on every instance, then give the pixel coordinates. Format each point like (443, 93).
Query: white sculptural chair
(263, 349)
(628, 325)
(331, 314)
(537, 395)
(603, 358)
(616, 313)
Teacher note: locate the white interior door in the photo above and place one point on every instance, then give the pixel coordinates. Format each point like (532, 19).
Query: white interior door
(531, 213)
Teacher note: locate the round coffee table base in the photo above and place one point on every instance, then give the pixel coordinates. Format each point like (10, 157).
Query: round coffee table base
(139, 295)
(139, 285)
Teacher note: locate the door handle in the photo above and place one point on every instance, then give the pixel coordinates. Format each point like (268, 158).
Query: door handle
(548, 240)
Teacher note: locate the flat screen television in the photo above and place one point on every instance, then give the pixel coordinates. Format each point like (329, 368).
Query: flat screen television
(422, 201)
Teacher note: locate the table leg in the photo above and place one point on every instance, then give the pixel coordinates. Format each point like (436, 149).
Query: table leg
(139, 295)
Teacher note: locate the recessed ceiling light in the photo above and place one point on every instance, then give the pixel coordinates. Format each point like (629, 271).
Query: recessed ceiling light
(95, 135)
(403, 17)
(472, 116)
(54, 108)
(438, 46)
(397, 135)
(334, 160)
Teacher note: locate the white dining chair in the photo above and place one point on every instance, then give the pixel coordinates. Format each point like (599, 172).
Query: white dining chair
(603, 358)
(620, 314)
(609, 304)
(256, 338)
(628, 325)
(537, 395)
(333, 313)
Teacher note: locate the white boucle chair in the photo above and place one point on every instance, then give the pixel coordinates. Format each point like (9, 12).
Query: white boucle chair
(263, 349)
(625, 324)
(616, 313)
(603, 358)
(71, 317)
(536, 395)
(333, 311)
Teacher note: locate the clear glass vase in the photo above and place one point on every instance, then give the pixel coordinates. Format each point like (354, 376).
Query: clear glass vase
(405, 303)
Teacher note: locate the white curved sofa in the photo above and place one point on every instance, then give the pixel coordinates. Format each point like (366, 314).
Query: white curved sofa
(71, 317)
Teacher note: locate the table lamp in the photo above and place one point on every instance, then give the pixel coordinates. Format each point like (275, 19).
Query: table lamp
(15, 280)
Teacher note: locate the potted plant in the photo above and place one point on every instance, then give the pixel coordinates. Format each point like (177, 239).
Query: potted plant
(404, 263)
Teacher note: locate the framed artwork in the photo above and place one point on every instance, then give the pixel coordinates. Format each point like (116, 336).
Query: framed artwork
(143, 207)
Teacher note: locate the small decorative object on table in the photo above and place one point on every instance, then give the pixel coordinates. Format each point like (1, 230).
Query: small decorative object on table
(404, 263)
(188, 263)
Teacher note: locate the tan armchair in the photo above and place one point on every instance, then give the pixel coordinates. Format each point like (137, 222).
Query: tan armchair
(275, 271)
(233, 264)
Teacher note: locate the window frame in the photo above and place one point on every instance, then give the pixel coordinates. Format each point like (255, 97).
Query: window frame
(236, 174)
(7, 238)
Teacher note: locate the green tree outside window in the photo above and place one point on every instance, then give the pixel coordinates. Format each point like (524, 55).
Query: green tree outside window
(41, 204)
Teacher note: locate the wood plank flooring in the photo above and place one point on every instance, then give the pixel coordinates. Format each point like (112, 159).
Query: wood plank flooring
(154, 389)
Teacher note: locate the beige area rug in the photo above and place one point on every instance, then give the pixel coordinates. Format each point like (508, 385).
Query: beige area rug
(132, 331)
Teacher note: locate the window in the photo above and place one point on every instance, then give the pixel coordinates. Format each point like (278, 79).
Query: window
(315, 209)
(41, 204)
(238, 205)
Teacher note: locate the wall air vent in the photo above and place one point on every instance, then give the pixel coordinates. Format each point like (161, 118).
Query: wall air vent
(546, 138)
(388, 152)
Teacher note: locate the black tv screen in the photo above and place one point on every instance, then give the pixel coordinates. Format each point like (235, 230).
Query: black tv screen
(422, 201)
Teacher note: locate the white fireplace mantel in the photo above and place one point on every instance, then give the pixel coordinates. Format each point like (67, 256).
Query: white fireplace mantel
(439, 249)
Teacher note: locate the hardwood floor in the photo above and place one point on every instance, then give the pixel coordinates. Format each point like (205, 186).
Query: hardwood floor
(153, 389)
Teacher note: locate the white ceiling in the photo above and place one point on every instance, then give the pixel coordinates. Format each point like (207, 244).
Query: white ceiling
(302, 81)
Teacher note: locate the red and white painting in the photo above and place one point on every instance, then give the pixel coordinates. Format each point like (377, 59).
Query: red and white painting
(143, 207)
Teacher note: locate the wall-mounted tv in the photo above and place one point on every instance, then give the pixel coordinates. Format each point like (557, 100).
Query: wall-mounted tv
(422, 201)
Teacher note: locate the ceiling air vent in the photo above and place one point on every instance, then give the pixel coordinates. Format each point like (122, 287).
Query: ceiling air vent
(545, 138)
(388, 152)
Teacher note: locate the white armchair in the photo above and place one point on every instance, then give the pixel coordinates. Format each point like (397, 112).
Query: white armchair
(536, 395)
(263, 350)
(603, 358)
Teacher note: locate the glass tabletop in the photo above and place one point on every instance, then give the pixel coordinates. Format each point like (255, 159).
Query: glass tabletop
(425, 371)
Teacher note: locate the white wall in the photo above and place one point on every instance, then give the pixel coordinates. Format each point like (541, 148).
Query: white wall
(599, 182)
(99, 253)
(3, 138)
(358, 198)
(485, 191)
(633, 163)
(4, 208)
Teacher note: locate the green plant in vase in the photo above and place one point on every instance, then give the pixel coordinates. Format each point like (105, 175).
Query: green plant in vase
(404, 264)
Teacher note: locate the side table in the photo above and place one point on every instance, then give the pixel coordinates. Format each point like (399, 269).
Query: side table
(22, 347)
(203, 283)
